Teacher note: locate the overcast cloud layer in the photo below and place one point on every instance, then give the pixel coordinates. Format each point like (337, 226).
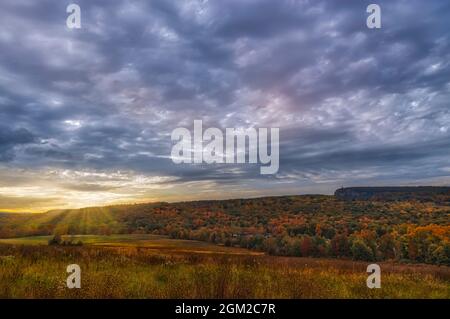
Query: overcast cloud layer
(87, 114)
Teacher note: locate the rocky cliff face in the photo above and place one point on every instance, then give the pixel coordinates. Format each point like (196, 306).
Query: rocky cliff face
(420, 193)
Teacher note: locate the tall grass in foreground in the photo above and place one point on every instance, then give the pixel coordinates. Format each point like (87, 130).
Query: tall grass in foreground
(132, 272)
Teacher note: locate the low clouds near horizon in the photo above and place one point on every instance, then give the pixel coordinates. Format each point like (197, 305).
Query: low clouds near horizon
(87, 114)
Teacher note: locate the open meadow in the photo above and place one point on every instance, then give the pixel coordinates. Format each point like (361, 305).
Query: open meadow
(150, 266)
(153, 242)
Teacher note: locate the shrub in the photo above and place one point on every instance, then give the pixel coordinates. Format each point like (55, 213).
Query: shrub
(56, 240)
(360, 251)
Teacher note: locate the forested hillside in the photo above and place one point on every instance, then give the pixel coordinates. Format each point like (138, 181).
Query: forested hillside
(310, 225)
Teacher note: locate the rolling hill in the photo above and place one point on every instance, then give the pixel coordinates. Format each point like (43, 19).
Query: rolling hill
(308, 225)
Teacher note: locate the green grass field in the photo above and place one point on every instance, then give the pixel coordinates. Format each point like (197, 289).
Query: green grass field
(149, 266)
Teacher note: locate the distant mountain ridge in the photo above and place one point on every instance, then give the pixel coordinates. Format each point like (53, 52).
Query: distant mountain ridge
(421, 193)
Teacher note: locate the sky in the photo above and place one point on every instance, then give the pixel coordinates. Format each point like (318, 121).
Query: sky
(87, 114)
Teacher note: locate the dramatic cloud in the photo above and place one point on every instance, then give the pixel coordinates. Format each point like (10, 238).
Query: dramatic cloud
(87, 113)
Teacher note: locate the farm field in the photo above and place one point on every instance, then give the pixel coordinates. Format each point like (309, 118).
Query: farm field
(150, 266)
(149, 241)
